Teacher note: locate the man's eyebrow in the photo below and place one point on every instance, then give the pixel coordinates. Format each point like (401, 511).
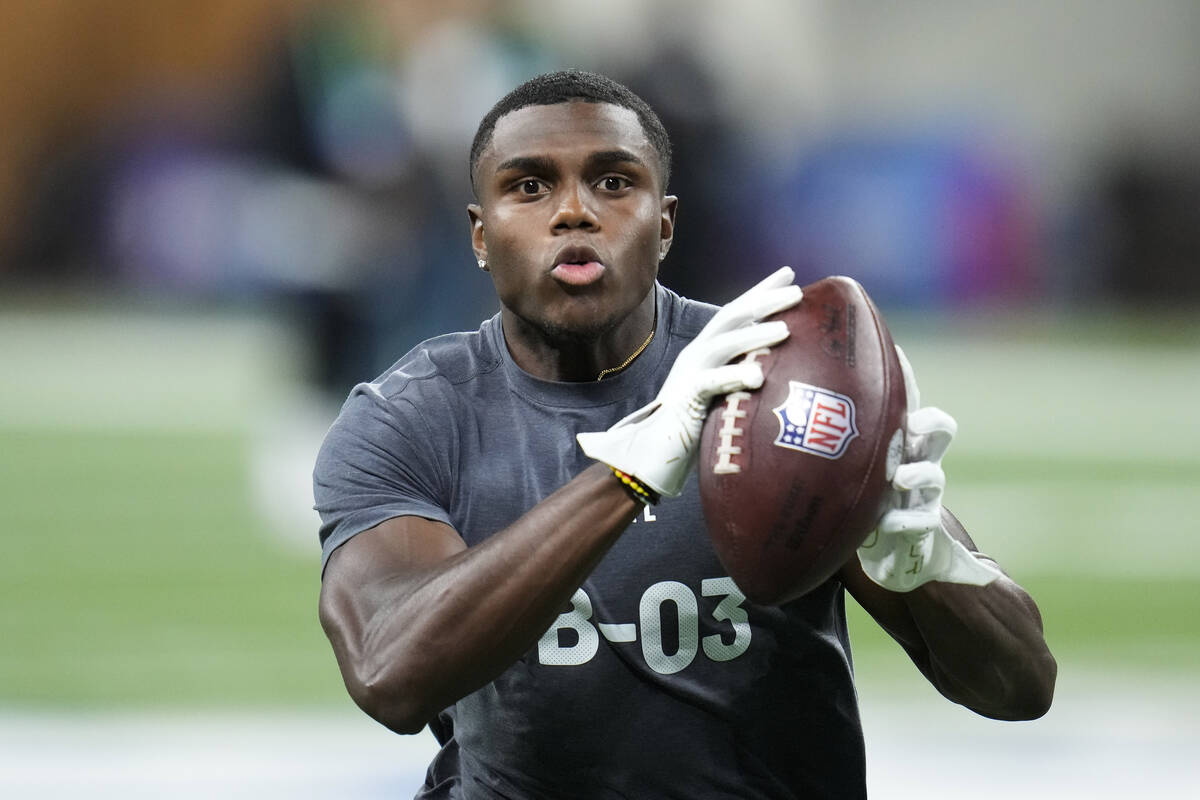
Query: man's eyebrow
(539, 165)
(609, 158)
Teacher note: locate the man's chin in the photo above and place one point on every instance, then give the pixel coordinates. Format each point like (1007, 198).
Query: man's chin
(578, 325)
(567, 335)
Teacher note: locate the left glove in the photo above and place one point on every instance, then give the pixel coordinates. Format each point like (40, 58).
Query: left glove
(657, 444)
(910, 547)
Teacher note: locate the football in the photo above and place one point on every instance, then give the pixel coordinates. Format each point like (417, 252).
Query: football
(793, 476)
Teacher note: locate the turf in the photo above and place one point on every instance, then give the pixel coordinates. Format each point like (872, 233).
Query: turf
(1142, 625)
(134, 576)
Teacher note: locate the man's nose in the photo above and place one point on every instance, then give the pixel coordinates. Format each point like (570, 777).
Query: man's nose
(575, 209)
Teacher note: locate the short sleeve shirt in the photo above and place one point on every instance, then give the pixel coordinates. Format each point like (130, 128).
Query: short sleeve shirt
(659, 679)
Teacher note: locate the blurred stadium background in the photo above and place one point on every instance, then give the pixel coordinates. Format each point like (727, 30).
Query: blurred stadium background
(217, 215)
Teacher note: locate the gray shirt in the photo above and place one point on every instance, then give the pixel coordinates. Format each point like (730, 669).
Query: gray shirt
(660, 679)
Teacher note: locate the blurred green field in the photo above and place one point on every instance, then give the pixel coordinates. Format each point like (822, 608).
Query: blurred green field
(139, 572)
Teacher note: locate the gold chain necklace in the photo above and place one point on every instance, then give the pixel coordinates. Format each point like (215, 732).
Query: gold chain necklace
(632, 356)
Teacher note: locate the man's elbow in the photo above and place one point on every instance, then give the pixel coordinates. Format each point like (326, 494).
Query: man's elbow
(1038, 694)
(387, 688)
(1029, 694)
(384, 701)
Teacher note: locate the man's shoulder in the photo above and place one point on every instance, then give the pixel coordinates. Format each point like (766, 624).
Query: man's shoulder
(436, 366)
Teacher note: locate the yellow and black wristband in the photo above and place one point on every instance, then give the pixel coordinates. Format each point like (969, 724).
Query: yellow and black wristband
(636, 490)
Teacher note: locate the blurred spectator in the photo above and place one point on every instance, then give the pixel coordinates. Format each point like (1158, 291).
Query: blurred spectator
(919, 219)
(69, 69)
(1150, 239)
(715, 251)
(309, 156)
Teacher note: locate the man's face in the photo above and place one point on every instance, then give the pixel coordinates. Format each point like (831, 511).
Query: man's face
(572, 219)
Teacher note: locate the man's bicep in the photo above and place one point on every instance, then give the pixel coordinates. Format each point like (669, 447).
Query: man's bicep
(363, 590)
(369, 570)
(395, 549)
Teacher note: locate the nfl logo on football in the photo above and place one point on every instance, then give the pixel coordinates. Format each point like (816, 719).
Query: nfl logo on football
(815, 420)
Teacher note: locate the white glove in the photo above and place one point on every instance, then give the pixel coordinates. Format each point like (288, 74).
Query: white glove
(658, 443)
(911, 547)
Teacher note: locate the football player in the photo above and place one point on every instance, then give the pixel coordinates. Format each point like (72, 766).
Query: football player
(513, 552)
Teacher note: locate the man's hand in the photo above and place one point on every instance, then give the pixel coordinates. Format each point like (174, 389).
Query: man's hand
(657, 444)
(911, 547)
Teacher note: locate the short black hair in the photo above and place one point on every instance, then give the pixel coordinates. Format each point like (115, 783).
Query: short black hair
(573, 85)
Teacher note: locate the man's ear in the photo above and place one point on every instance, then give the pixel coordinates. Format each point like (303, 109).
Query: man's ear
(667, 228)
(475, 213)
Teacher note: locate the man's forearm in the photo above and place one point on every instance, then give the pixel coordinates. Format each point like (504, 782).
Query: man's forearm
(984, 645)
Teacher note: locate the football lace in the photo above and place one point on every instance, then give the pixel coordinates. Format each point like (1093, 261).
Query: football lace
(730, 415)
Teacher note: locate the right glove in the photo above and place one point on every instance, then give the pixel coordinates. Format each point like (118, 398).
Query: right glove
(658, 443)
(910, 547)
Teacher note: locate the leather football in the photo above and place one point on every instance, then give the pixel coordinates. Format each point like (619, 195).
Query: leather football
(794, 475)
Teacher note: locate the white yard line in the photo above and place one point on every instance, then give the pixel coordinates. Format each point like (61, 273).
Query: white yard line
(1105, 738)
(143, 371)
(206, 755)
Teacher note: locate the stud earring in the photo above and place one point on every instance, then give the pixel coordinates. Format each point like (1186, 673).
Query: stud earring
(483, 265)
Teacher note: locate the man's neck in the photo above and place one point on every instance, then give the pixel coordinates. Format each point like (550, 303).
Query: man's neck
(554, 357)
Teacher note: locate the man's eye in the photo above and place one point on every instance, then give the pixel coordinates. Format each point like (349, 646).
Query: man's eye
(531, 186)
(614, 183)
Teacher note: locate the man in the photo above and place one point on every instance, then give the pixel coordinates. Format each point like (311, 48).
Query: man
(562, 632)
